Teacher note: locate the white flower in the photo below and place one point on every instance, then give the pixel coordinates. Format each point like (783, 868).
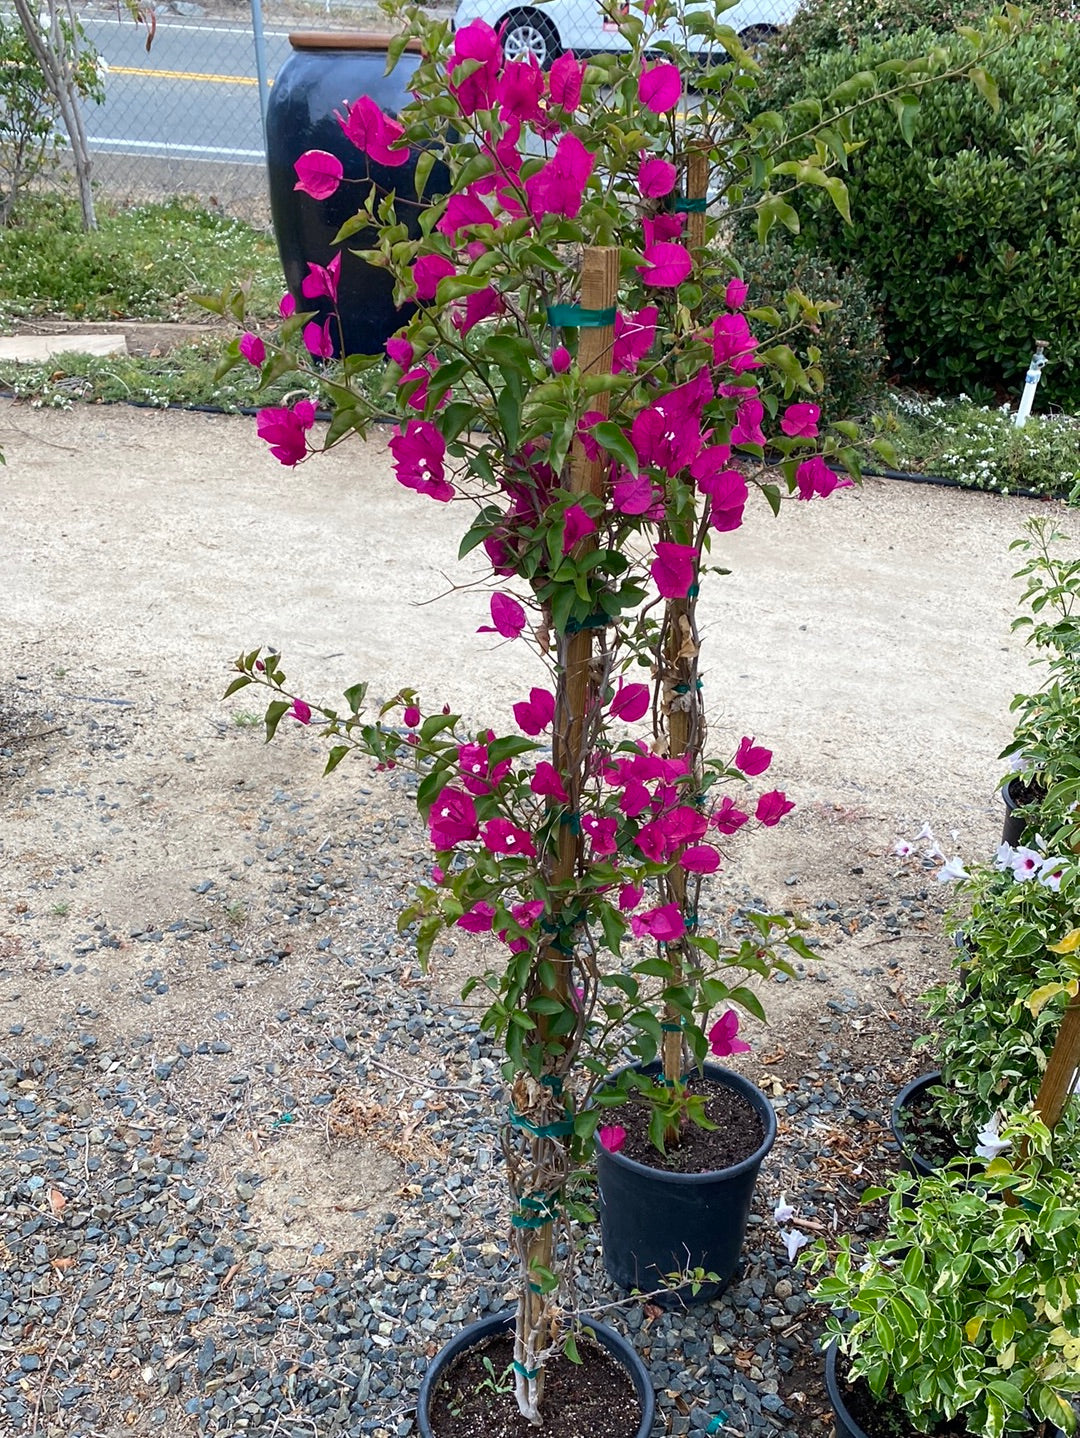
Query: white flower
(1050, 872)
(1004, 857)
(793, 1241)
(954, 869)
(783, 1212)
(1026, 863)
(934, 852)
(925, 833)
(902, 849)
(990, 1141)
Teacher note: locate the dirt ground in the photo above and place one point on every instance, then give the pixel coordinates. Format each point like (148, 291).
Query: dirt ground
(157, 886)
(866, 640)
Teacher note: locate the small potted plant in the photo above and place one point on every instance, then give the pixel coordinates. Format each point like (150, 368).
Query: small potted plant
(1047, 736)
(965, 1318)
(996, 1021)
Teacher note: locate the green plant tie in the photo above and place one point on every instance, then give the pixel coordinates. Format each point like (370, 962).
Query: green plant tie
(553, 1082)
(542, 1130)
(574, 317)
(715, 1424)
(535, 1288)
(596, 620)
(573, 819)
(692, 592)
(527, 1373)
(673, 1028)
(692, 207)
(538, 1213)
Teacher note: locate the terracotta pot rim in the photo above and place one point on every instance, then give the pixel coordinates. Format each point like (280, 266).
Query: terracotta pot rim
(360, 40)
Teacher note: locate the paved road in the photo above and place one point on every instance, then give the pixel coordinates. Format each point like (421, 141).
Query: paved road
(193, 97)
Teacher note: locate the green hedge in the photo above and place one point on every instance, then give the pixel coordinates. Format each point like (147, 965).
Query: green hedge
(970, 235)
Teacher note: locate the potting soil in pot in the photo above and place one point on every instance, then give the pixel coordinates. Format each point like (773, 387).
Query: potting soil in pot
(885, 1417)
(923, 1132)
(738, 1134)
(593, 1399)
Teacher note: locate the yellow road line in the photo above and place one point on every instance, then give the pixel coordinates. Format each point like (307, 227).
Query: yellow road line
(186, 75)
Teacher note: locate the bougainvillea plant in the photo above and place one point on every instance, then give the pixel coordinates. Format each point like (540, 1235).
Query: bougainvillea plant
(582, 378)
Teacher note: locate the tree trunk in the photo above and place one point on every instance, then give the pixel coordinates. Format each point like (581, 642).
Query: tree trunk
(58, 60)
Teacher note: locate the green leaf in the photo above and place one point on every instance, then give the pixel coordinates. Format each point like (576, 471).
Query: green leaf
(241, 683)
(570, 1349)
(905, 108)
(274, 714)
(337, 753)
(610, 436)
(986, 86)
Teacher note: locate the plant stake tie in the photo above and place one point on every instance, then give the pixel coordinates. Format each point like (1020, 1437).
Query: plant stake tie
(1031, 384)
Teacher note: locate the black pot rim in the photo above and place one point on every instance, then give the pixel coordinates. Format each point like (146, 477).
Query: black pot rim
(618, 1346)
(906, 1094)
(729, 1079)
(840, 1408)
(832, 1387)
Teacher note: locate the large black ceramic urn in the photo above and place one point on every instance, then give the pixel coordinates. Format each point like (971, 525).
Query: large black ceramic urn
(323, 76)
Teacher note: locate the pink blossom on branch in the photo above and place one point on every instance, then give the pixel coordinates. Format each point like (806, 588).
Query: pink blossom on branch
(322, 280)
(634, 335)
(673, 569)
(630, 896)
(507, 617)
(418, 460)
(452, 820)
(700, 859)
(478, 90)
(735, 294)
(601, 833)
(801, 420)
(318, 174)
(300, 711)
(478, 919)
(576, 525)
(500, 836)
(751, 758)
(612, 1136)
(535, 714)
(634, 493)
(659, 88)
(561, 359)
(375, 134)
(286, 305)
(656, 177)
(564, 81)
(253, 349)
(284, 430)
(728, 818)
(772, 807)
(317, 339)
(400, 351)
(547, 783)
(558, 187)
(427, 271)
(666, 265)
(664, 924)
(411, 717)
(723, 1040)
(630, 703)
(733, 344)
(815, 480)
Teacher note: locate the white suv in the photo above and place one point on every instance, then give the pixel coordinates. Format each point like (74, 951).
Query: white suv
(547, 29)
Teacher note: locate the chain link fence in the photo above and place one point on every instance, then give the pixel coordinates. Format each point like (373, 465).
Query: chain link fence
(185, 117)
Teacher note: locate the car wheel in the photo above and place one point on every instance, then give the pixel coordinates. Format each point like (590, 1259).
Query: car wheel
(527, 32)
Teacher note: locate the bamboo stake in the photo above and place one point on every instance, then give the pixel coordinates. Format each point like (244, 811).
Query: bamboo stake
(680, 696)
(575, 695)
(1061, 1069)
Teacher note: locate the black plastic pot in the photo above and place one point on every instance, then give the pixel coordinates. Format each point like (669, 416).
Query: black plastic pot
(1019, 818)
(912, 1159)
(324, 74)
(846, 1426)
(614, 1342)
(653, 1223)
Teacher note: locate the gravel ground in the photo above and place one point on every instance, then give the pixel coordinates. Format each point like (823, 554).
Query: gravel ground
(248, 1172)
(250, 1183)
